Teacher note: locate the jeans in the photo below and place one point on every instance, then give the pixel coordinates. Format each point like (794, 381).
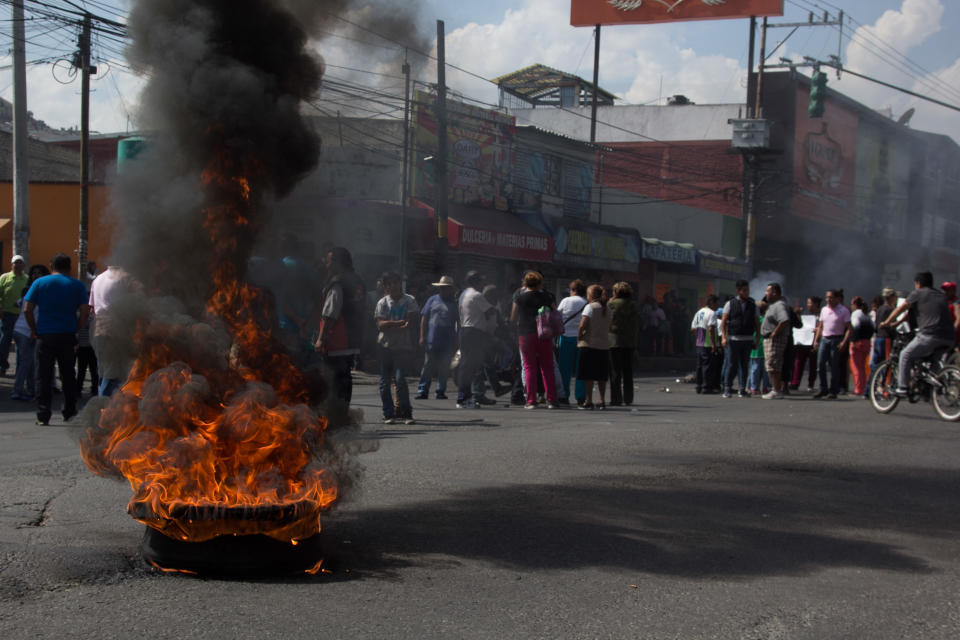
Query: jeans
(6, 336)
(920, 347)
(24, 384)
(474, 344)
(738, 353)
(341, 388)
(56, 348)
(537, 353)
(708, 370)
(567, 363)
(759, 378)
(436, 362)
(828, 359)
(621, 375)
(880, 351)
(87, 359)
(392, 370)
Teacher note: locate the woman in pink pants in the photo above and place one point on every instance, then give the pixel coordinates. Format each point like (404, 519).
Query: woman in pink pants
(861, 332)
(537, 352)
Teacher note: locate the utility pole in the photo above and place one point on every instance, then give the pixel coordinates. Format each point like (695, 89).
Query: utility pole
(758, 110)
(404, 170)
(440, 167)
(21, 173)
(596, 81)
(84, 60)
(753, 40)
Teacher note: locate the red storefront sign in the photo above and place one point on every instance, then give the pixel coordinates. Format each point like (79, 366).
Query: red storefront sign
(531, 246)
(587, 13)
(489, 232)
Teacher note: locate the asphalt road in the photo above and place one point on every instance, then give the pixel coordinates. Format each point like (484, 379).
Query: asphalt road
(692, 517)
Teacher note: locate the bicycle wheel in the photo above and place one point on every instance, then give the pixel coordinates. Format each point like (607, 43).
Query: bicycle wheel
(882, 385)
(946, 399)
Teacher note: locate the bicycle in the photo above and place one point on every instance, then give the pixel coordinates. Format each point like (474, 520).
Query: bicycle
(931, 379)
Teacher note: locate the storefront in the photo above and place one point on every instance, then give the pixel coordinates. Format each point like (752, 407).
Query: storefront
(599, 254)
(719, 274)
(496, 243)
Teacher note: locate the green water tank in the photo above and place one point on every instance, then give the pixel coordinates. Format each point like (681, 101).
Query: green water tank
(128, 149)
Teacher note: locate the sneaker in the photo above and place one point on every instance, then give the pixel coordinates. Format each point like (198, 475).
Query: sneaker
(586, 406)
(551, 406)
(409, 420)
(809, 389)
(601, 406)
(743, 394)
(772, 395)
(43, 423)
(901, 392)
(422, 396)
(529, 405)
(727, 394)
(389, 421)
(484, 400)
(468, 404)
(441, 396)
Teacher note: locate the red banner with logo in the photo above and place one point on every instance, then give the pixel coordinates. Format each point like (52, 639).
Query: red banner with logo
(825, 159)
(587, 13)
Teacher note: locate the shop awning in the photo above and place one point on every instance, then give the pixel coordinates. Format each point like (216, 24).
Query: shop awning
(490, 232)
(721, 266)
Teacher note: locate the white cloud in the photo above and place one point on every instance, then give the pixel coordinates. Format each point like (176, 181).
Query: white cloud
(878, 51)
(633, 60)
(53, 95)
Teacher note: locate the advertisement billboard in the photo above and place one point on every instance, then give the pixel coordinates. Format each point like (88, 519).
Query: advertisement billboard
(587, 13)
(479, 147)
(825, 163)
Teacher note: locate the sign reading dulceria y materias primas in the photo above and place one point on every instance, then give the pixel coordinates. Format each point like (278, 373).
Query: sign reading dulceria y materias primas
(587, 13)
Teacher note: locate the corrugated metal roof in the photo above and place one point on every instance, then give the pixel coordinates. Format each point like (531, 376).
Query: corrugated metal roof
(540, 84)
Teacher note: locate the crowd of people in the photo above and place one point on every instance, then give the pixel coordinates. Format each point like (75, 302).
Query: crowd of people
(543, 352)
(770, 347)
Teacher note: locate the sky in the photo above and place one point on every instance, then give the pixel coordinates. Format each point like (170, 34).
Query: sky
(907, 43)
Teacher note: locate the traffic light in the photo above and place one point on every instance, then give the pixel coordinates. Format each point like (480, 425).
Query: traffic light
(818, 93)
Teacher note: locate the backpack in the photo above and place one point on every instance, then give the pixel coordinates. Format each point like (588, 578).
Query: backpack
(864, 331)
(549, 323)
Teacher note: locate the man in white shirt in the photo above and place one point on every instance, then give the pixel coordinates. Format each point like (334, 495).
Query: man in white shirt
(475, 314)
(704, 324)
(111, 337)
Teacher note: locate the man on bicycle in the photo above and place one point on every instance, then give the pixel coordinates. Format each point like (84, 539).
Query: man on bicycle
(934, 326)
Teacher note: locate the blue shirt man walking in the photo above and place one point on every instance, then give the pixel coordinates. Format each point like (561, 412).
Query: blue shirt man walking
(62, 309)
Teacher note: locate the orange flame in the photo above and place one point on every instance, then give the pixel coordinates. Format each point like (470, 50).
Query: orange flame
(207, 449)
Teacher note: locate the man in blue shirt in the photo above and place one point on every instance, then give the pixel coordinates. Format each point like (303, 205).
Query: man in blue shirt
(58, 299)
(438, 337)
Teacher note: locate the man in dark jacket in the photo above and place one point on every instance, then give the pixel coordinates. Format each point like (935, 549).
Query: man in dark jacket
(741, 324)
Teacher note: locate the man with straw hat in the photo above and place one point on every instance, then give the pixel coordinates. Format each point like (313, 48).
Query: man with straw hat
(438, 337)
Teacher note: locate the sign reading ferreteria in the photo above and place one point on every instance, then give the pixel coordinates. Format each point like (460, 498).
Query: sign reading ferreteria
(666, 251)
(588, 13)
